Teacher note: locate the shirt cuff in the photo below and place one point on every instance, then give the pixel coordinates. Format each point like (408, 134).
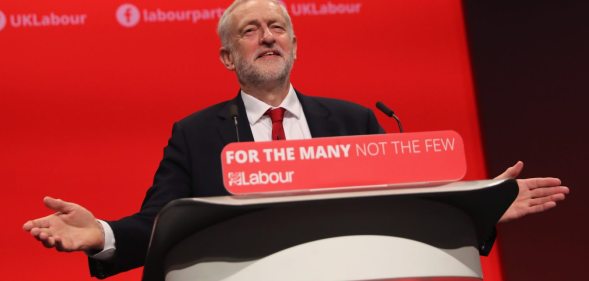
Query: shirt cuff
(109, 243)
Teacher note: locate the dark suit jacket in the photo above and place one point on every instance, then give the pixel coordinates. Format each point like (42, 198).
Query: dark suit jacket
(191, 166)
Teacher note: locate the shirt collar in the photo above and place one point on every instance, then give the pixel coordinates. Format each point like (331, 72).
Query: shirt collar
(256, 108)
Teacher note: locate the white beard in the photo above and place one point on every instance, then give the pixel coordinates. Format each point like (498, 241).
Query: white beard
(259, 73)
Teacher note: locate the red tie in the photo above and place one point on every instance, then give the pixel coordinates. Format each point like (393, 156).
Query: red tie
(277, 114)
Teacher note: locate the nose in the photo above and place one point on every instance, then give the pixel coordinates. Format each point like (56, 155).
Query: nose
(267, 37)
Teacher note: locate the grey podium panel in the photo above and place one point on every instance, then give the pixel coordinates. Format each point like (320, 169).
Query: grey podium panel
(217, 238)
(359, 257)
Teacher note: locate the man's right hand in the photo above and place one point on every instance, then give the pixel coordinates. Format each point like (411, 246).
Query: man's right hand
(71, 228)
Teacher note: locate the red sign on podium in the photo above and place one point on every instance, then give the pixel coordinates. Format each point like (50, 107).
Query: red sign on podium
(343, 162)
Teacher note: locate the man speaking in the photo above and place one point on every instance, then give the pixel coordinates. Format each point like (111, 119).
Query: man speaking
(259, 45)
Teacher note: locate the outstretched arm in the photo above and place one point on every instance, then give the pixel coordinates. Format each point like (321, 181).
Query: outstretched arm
(71, 228)
(535, 194)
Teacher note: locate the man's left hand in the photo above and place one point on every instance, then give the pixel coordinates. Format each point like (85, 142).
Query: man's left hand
(535, 194)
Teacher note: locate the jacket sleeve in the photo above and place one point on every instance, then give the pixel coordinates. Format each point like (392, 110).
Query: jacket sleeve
(373, 125)
(172, 181)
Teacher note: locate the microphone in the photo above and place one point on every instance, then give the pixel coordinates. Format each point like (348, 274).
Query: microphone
(233, 111)
(387, 111)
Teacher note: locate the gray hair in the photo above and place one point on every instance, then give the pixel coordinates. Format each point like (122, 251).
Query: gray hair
(225, 21)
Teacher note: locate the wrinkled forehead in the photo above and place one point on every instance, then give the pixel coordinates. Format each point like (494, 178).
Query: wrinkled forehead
(252, 12)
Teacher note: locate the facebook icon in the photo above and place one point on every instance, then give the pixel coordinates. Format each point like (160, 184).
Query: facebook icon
(128, 15)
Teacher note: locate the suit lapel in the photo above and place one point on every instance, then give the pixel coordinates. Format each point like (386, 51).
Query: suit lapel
(319, 118)
(226, 126)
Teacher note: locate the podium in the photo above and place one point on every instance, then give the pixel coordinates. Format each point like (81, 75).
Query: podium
(363, 234)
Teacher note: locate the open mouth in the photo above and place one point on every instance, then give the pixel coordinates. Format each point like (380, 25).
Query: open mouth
(270, 53)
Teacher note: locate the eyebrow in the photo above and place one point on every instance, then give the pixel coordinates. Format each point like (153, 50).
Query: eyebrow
(250, 22)
(257, 22)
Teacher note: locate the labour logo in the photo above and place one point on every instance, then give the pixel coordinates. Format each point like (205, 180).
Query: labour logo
(2, 20)
(236, 178)
(128, 15)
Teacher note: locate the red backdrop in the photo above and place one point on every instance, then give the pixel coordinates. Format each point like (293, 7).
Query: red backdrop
(87, 104)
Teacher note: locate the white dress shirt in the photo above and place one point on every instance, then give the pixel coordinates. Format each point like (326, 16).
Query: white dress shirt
(294, 124)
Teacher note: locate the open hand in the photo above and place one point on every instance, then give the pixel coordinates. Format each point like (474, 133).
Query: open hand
(71, 228)
(535, 194)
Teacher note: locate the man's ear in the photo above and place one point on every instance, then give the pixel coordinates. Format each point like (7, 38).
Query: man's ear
(294, 43)
(226, 58)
